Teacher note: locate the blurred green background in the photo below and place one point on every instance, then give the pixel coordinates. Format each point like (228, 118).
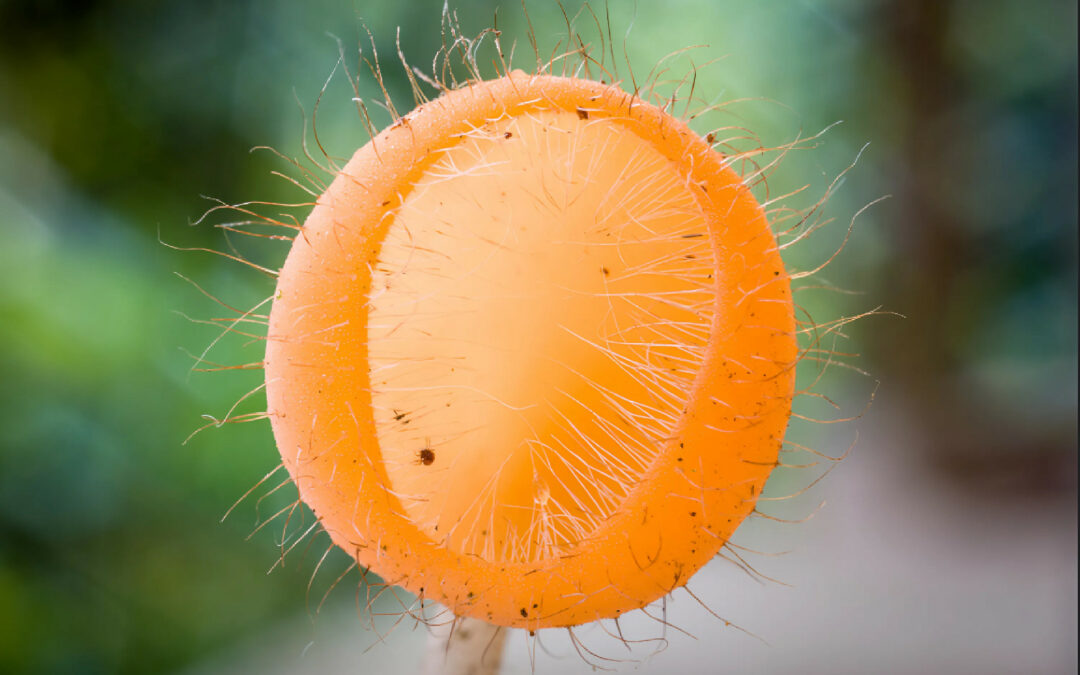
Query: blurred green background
(117, 116)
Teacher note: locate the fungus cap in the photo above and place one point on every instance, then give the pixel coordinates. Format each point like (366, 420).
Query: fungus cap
(532, 354)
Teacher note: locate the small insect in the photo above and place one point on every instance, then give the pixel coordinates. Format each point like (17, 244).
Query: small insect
(425, 456)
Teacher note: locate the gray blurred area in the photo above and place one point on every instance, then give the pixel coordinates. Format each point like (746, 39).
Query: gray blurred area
(948, 541)
(896, 574)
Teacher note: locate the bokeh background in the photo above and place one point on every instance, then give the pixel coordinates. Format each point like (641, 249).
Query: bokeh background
(948, 543)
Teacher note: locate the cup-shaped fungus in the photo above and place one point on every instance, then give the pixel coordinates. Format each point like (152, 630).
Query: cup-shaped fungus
(532, 354)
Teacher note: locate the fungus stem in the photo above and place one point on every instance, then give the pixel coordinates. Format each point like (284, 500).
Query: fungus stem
(463, 645)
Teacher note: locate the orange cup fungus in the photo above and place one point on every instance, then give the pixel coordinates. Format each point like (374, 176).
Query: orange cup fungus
(532, 354)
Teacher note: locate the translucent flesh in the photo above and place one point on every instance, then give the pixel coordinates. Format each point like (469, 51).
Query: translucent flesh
(537, 315)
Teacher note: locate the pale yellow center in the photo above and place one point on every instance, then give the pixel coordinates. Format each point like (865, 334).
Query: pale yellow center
(537, 317)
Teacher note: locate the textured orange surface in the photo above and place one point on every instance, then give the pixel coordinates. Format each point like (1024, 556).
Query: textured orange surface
(532, 355)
